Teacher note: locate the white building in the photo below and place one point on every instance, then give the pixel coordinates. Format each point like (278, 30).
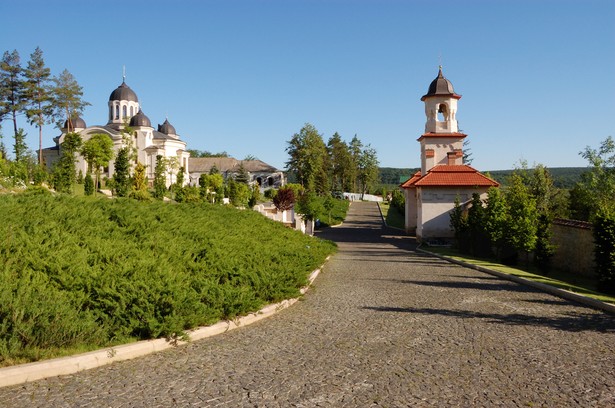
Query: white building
(265, 175)
(124, 108)
(431, 192)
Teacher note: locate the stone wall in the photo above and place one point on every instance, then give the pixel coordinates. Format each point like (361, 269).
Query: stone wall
(574, 243)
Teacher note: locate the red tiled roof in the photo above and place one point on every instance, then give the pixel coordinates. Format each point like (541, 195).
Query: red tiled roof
(450, 175)
(410, 182)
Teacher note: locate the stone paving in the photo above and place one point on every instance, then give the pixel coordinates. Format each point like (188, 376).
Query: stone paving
(383, 326)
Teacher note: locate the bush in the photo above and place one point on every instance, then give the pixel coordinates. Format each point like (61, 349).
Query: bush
(604, 237)
(398, 201)
(88, 185)
(86, 273)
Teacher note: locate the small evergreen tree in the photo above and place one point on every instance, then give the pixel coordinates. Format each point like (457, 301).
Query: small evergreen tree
(459, 224)
(139, 183)
(242, 175)
(160, 182)
(121, 177)
(479, 239)
(64, 171)
(88, 184)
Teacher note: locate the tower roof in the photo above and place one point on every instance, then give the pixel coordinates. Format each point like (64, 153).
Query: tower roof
(76, 122)
(440, 86)
(167, 128)
(123, 93)
(140, 120)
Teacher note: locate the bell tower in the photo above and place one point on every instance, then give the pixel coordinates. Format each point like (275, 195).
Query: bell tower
(441, 144)
(441, 106)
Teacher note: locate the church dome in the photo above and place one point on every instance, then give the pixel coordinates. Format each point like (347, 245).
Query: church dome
(140, 120)
(77, 123)
(123, 93)
(440, 86)
(167, 128)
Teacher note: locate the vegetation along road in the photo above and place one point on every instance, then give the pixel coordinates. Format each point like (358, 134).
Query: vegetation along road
(384, 326)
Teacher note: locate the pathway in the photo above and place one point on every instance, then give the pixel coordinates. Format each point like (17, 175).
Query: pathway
(382, 327)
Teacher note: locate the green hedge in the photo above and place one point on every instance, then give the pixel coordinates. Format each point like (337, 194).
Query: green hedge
(82, 273)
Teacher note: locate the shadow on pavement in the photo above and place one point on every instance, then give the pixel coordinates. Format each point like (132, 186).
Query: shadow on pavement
(572, 322)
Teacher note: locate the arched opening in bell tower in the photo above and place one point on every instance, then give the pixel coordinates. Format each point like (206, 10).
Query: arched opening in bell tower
(443, 114)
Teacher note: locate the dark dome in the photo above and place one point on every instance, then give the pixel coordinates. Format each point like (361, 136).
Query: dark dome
(76, 123)
(140, 120)
(440, 86)
(123, 93)
(166, 128)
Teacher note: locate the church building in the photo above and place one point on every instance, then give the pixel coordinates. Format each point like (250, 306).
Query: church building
(149, 142)
(431, 192)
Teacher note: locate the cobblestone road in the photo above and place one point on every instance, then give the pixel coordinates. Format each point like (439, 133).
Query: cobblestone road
(382, 327)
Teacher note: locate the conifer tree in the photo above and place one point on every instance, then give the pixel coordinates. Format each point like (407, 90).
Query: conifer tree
(160, 186)
(38, 95)
(67, 99)
(121, 176)
(12, 93)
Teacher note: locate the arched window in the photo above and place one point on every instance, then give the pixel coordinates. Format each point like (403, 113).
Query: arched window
(117, 111)
(131, 114)
(124, 114)
(442, 112)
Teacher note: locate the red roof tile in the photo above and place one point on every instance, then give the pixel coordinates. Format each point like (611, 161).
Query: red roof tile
(410, 182)
(450, 175)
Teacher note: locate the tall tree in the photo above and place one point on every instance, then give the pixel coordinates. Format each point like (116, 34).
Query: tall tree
(355, 147)
(367, 169)
(496, 219)
(97, 151)
(339, 158)
(467, 153)
(38, 95)
(599, 183)
(307, 153)
(11, 87)
(522, 215)
(67, 99)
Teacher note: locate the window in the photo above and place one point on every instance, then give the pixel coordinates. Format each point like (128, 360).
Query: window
(117, 111)
(124, 111)
(131, 112)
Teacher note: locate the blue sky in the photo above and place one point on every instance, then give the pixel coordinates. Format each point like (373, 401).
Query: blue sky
(537, 77)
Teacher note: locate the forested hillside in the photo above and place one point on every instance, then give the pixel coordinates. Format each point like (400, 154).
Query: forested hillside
(563, 177)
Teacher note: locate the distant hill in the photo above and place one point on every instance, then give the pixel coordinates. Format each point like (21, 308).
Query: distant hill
(395, 176)
(563, 177)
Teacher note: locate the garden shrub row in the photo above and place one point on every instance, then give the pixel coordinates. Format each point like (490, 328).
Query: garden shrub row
(83, 273)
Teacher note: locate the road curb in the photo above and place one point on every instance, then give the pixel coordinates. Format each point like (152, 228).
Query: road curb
(565, 294)
(24, 373)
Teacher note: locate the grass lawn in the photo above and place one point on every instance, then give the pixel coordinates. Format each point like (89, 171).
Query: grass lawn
(581, 285)
(392, 217)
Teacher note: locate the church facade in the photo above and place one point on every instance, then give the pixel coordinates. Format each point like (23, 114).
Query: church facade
(148, 142)
(431, 192)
